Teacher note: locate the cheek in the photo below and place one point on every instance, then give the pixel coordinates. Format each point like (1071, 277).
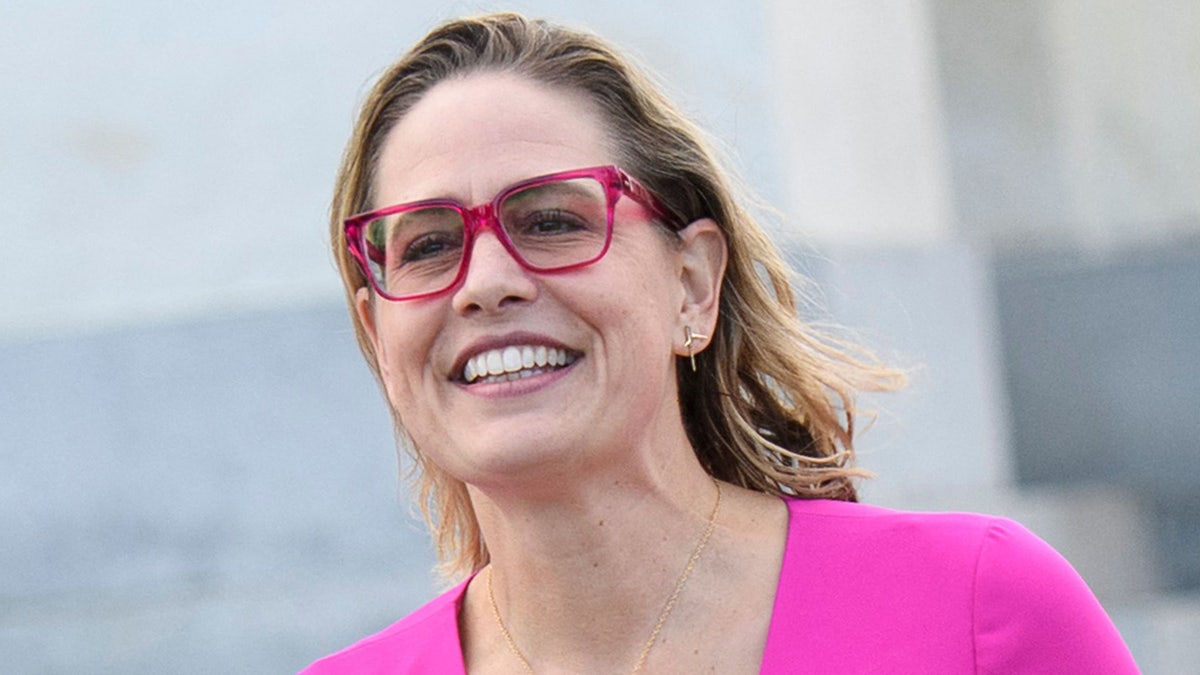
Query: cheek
(639, 309)
(402, 351)
(652, 291)
(388, 368)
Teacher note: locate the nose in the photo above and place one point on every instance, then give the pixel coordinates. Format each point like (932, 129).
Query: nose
(493, 279)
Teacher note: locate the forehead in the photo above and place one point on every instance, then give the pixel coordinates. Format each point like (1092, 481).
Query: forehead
(467, 138)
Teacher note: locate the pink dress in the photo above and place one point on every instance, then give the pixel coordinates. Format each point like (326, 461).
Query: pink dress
(866, 590)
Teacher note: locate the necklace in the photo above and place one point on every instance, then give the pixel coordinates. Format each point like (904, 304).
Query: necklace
(662, 616)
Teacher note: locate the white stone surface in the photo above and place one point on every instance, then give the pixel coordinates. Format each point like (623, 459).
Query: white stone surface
(931, 313)
(1126, 79)
(861, 123)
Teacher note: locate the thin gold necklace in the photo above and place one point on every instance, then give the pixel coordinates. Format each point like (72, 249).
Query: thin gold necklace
(662, 616)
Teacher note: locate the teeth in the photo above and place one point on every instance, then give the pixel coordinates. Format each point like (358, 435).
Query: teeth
(512, 359)
(514, 363)
(495, 363)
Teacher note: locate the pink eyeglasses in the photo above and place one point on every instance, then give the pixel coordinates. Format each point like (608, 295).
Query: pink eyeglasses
(553, 223)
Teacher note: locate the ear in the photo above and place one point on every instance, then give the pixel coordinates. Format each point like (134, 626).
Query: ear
(366, 315)
(703, 255)
(364, 307)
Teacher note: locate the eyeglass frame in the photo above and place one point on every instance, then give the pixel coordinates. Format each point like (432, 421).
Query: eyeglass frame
(615, 181)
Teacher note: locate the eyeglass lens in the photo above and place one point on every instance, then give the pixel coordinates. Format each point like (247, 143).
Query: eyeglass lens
(550, 226)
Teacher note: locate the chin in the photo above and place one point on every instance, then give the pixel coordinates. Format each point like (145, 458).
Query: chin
(515, 458)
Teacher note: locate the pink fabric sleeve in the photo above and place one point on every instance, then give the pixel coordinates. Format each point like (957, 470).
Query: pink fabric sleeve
(1034, 614)
(425, 641)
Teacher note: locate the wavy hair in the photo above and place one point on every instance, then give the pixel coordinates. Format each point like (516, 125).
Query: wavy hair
(771, 407)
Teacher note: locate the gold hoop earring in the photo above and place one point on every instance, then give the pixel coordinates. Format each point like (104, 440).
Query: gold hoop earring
(688, 338)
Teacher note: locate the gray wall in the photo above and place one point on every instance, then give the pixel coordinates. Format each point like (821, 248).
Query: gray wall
(216, 496)
(1102, 360)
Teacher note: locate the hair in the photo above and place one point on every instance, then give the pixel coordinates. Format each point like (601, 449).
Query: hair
(771, 407)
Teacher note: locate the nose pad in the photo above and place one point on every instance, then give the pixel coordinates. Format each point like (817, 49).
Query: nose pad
(493, 277)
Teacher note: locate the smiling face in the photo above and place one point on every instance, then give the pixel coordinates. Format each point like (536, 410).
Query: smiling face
(514, 372)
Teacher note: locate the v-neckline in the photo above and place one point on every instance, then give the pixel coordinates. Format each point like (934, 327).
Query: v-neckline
(769, 656)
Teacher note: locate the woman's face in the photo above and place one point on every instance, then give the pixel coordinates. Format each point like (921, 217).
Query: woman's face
(618, 321)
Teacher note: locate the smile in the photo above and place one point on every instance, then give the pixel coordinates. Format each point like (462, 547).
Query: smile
(514, 363)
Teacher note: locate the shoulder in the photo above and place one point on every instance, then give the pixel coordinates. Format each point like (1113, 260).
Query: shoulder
(989, 547)
(1034, 612)
(1013, 602)
(860, 526)
(424, 641)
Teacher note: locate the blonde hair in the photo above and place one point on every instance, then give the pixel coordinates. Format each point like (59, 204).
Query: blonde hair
(771, 407)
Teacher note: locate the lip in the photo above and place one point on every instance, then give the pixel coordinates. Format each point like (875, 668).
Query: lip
(490, 342)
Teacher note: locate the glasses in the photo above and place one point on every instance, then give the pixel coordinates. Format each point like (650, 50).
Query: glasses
(553, 223)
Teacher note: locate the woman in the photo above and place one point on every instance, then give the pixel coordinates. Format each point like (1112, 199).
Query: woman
(633, 455)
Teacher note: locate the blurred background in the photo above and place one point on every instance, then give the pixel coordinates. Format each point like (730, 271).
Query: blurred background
(197, 470)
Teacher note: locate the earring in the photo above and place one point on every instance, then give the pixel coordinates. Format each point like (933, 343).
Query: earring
(688, 338)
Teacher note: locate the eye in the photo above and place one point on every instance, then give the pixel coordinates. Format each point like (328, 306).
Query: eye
(431, 246)
(550, 222)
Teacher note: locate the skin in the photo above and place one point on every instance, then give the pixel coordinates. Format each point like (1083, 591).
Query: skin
(566, 469)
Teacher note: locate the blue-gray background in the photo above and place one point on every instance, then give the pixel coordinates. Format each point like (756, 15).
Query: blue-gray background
(197, 472)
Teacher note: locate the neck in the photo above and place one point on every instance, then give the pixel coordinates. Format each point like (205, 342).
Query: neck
(582, 574)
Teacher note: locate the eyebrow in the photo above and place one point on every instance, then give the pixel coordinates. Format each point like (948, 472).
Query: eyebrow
(560, 186)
